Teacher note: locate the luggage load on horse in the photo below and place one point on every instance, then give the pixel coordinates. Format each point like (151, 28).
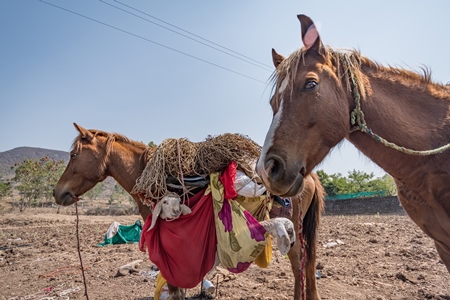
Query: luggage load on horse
(228, 209)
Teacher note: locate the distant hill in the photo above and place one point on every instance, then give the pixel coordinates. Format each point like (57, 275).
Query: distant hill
(17, 155)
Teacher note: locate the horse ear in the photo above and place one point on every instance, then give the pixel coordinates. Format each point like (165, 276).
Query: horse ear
(86, 134)
(310, 35)
(276, 58)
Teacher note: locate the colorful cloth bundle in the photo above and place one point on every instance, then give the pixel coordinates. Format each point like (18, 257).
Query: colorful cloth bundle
(185, 249)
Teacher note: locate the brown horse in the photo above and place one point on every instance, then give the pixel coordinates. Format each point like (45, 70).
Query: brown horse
(398, 118)
(96, 154)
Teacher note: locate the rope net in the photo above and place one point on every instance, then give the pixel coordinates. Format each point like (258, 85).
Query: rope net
(182, 158)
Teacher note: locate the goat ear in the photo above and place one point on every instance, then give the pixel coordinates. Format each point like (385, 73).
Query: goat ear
(283, 242)
(290, 230)
(185, 209)
(155, 214)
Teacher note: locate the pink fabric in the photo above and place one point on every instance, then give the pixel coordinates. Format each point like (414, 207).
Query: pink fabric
(184, 250)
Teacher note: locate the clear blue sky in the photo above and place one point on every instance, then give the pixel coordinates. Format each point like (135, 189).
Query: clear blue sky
(58, 68)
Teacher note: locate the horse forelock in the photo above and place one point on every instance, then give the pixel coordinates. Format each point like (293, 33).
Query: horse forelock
(286, 69)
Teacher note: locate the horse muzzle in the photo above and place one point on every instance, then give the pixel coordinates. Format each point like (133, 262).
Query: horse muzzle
(64, 199)
(279, 178)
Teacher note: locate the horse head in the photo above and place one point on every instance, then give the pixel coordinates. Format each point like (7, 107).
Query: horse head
(308, 120)
(87, 167)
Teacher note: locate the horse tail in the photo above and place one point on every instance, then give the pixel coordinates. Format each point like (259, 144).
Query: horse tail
(311, 221)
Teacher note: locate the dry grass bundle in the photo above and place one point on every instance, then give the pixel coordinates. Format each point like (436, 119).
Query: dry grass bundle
(183, 158)
(216, 153)
(178, 157)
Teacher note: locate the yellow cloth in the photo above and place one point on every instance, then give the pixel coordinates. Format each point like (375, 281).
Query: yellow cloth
(264, 258)
(236, 248)
(259, 207)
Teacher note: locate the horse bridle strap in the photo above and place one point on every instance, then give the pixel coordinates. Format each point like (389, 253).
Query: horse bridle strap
(359, 124)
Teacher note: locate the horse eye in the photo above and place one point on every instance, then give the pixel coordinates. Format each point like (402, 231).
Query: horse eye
(310, 85)
(73, 155)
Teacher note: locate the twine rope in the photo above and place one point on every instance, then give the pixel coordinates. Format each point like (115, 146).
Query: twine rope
(359, 124)
(302, 250)
(181, 179)
(79, 251)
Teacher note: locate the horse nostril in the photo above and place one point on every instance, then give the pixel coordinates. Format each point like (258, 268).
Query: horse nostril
(274, 167)
(303, 171)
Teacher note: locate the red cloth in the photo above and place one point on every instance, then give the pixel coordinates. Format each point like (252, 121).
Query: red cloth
(184, 250)
(228, 177)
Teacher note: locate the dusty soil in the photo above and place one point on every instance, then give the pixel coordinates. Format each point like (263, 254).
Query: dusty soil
(382, 257)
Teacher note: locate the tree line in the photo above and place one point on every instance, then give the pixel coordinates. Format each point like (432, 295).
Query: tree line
(356, 182)
(35, 179)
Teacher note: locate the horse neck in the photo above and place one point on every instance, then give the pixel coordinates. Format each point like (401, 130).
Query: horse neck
(126, 163)
(406, 113)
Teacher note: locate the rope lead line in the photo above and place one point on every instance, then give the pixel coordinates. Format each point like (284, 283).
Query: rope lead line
(79, 251)
(359, 123)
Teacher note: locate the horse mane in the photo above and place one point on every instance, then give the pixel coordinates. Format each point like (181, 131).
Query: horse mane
(110, 139)
(349, 64)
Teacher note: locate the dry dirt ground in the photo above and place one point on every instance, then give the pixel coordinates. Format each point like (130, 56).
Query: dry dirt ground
(382, 257)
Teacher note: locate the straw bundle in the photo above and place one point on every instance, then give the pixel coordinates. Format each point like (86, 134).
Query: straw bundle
(183, 158)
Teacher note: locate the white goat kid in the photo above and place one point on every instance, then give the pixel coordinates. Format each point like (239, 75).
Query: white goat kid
(283, 230)
(169, 207)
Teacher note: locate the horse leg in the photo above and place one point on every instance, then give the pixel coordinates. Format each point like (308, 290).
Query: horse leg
(444, 254)
(311, 222)
(295, 256)
(175, 293)
(311, 285)
(433, 221)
